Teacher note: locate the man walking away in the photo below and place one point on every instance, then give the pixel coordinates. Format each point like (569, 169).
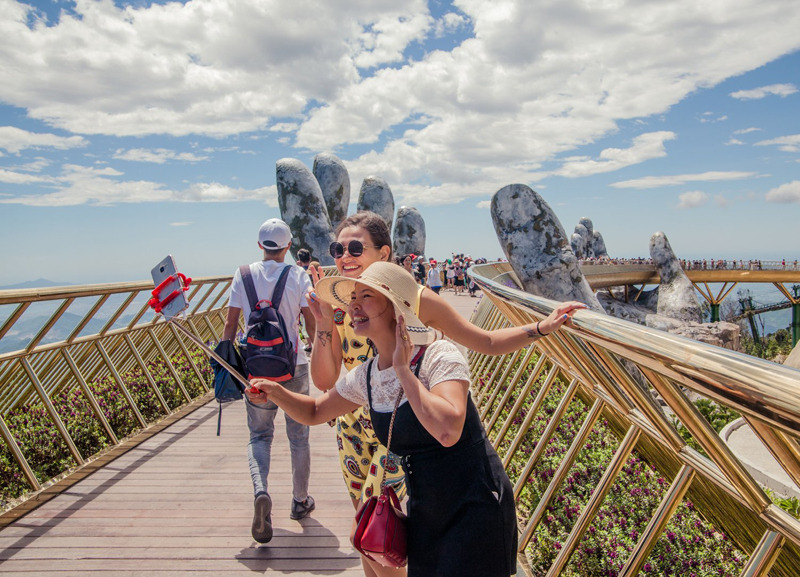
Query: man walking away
(275, 238)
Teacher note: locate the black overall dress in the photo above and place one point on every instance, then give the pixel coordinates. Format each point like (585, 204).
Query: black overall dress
(461, 516)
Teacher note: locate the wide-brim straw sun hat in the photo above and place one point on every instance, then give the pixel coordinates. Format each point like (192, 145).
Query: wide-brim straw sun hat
(392, 281)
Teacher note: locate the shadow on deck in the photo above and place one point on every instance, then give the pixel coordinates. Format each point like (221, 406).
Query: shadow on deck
(181, 502)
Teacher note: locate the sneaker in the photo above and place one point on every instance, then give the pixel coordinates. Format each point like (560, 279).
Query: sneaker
(262, 519)
(301, 510)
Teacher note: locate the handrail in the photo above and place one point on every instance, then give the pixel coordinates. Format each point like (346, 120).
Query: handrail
(618, 367)
(38, 370)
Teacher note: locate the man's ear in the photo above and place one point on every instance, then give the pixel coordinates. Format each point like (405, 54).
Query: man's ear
(385, 252)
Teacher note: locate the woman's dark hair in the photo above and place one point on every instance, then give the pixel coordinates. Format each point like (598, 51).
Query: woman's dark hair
(373, 223)
(304, 255)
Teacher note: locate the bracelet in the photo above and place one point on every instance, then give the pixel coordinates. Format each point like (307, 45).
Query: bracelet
(541, 334)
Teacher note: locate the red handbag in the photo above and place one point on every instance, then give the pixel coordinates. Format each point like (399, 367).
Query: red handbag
(380, 532)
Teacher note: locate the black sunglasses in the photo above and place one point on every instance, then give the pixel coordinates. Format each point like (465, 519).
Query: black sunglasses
(354, 248)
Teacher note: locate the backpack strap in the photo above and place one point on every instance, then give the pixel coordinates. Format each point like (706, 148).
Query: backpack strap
(249, 286)
(277, 292)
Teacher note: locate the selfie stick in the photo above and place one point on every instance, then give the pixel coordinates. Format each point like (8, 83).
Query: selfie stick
(157, 305)
(225, 365)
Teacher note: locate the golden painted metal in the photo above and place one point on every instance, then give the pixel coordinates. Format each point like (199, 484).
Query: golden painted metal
(12, 445)
(87, 393)
(13, 318)
(786, 452)
(87, 318)
(764, 556)
(147, 375)
(649, 537)
(541, 444)
(51, 410)
(537, 369)
(596, 500)
(705, 435)
(512, 362)
(558, 477)
(48, 325)
(170, 367)
(120, 383)
(188, 356)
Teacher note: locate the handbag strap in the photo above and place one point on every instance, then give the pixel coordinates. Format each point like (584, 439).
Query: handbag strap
(416, 362)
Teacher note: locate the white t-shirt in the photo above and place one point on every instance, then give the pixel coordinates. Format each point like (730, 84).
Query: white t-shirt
(434, 279)
(442, 362)
(265, 276)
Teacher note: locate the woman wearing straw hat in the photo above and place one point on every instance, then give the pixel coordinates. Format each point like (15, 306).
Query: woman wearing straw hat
(361, 240)
(461, 516)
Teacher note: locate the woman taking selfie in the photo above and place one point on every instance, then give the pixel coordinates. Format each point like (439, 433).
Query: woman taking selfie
(361, 240)
(461, 515)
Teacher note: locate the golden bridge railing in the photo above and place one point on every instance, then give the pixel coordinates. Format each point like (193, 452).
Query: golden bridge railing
(619, 370)
(113, 332)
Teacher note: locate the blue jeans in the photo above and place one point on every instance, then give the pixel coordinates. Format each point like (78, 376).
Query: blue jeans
(261, 422)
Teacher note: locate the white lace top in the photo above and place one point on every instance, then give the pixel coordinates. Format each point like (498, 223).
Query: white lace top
(442, 362)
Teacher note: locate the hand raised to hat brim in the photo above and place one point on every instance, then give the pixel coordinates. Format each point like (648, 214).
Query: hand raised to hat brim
(404, 348)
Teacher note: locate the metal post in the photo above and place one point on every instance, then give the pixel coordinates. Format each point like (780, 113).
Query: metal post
(714, 312)
(795, 324)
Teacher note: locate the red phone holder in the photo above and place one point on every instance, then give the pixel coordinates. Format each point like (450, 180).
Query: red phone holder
(158, 304)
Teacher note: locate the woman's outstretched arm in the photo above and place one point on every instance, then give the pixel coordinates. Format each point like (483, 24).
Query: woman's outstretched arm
(436, 312)
(301, 408)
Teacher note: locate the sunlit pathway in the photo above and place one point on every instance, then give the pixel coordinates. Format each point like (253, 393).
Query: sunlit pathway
(182, 503)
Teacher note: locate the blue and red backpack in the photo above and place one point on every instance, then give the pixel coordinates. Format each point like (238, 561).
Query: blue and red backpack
(268, 352)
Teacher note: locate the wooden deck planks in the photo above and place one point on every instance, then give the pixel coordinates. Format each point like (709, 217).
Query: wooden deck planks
(181, 503)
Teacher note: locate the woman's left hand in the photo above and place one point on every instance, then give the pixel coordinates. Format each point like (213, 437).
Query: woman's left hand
(561, 315)
(403, 347)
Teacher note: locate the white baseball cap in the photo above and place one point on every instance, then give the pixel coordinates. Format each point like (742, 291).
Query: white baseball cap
(274, 234)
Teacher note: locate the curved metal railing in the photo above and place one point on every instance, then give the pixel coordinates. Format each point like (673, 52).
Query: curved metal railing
(57, 340)
(624, 372)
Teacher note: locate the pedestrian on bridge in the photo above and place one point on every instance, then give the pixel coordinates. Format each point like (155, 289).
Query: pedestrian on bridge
(361, 240)
(461, 513)
(275, 238)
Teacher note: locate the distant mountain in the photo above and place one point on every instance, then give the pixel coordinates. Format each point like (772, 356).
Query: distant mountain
(25, 329)
(38, 283)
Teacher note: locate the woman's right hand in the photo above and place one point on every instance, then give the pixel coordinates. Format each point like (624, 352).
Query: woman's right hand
(321, 310)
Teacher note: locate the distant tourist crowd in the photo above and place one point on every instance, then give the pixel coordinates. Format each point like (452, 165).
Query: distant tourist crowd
(700, 264)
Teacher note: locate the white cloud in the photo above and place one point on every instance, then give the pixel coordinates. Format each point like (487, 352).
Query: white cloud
(11, 177)
(484, 204)
(734, 141)
(284, 127)
(782, 90)
(157, 68)
(385, 41)
(180, 223)
(692, 199)
(785, 143)
(673, 180)
(339, 73)
(158, 155)
(449, 23)
(81, 185)
(746, 130)
(785, 193)
(15, 139)
(721, 200)
(645, 147)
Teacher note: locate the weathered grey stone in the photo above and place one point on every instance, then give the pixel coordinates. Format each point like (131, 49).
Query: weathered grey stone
(793, 360)
(622, 310)
(676, 294)
(537, 247)
(586, 222)
(598, 245)
(409, 232)
(578, 244)
(375, 195)
(303, 209)
(334, 180)
(721, 334)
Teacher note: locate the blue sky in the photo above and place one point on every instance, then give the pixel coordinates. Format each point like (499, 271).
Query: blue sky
(133, 130)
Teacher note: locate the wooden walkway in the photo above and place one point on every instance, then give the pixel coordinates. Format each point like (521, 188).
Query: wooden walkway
(181, 503)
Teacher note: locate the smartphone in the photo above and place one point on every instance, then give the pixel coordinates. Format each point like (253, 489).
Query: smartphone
(163, 270)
